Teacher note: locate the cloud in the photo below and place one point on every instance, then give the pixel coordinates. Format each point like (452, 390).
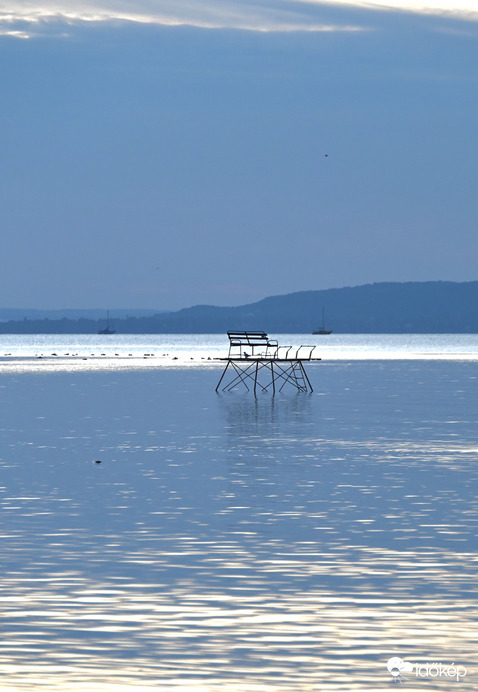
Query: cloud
(26, 19)
(29, 19)
(461, 9)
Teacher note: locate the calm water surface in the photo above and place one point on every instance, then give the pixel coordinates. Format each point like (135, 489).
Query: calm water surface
(228, 542)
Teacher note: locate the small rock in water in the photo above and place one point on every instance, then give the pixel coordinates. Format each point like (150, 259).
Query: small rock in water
(98, 461)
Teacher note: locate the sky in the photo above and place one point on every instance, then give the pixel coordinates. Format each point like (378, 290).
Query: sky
(159, 154)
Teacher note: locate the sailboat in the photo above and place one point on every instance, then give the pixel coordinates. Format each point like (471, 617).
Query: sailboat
(322, 329)
(107, 330)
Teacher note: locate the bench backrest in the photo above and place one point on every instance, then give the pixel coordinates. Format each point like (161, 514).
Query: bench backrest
(242, 344)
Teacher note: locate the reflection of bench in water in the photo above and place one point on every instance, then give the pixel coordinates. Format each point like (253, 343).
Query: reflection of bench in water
(250, 353)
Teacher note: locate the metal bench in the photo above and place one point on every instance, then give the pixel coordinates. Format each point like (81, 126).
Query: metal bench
(251, 345)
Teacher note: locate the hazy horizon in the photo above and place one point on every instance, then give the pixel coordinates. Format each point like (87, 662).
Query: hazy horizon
(116, 311)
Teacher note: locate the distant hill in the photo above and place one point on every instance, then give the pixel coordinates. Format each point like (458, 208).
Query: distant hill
(412, 307)
(17, 314)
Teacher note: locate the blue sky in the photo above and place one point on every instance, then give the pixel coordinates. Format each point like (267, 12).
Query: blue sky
(161, 155)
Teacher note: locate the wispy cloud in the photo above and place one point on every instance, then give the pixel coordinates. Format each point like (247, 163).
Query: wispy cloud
(463, 9)
(210, 14)
(24, 19)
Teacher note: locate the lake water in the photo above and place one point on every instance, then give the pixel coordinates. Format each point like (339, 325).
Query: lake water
(124, 350)
(231, 542)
